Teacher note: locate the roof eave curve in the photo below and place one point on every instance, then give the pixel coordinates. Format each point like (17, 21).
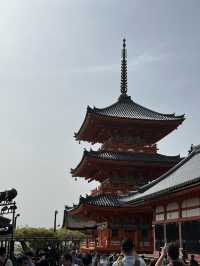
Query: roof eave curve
(84, 124)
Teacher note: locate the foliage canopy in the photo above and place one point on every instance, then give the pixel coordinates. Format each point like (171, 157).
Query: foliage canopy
(39, 238)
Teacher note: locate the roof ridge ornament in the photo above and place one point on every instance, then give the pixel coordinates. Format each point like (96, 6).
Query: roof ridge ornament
(194, 149)
(124, 83)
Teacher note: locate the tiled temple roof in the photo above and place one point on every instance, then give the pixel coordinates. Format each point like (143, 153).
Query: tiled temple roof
(77, 222)
(125, 114)
(103, 200)
(131, 156)
(185, 173)
(127, 108)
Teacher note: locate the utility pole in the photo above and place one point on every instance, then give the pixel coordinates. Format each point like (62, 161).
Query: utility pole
(55, 217)
(14, 207)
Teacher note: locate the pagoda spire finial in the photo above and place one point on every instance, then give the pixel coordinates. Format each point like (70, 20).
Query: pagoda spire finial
(124, 83)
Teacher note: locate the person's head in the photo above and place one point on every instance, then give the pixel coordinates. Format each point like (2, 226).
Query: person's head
(127, 247)
(173, 255)
(173, 251)
(115, 256)
(29, 254)
(73, 253)
(98, 255)
(41, 255)
(67, 259)
(87, 259)
(2, 251)
(22, 261)
(111, 258)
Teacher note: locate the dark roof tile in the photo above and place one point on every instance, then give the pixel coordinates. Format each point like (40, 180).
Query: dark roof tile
(77, 222)
(103, 200)
(131, 156)
(184, 173)
(126, 108)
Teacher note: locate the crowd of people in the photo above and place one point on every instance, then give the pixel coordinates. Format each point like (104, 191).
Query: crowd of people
(169, 256)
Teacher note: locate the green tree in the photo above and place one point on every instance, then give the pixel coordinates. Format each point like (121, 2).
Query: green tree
(40, 238)
(34, 238)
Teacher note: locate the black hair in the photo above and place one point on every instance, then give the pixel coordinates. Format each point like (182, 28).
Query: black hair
(127, 246)
(173, 251)
(87, 259)
(21, 259)
(2, 251)
(29, 253)
(67, 256)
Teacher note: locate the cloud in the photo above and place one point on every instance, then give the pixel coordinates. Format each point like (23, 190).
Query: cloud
(144, 59)
(134, 63)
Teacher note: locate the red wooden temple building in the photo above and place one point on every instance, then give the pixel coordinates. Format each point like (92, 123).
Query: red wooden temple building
(138, 185)
(174, 199)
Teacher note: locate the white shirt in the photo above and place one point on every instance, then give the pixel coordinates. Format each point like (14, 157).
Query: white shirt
(9, 263)
(130, 261)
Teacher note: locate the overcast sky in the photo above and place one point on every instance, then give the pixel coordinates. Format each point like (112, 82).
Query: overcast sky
(58, 56)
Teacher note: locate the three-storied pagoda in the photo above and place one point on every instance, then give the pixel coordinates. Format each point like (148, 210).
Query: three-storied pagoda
(127, 159)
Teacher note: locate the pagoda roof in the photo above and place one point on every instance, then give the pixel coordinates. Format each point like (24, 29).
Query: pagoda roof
(77, 222)
(125, 107)
(103, 200)
(128, 113)
(127, 158)
(181, 176)
(100, 123)
(185, 173)
(130, 156)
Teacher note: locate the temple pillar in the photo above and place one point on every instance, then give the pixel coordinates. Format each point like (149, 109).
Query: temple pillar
(180, 234)
(154, 238)
(136, 238)
(165, 234)
(165, 226)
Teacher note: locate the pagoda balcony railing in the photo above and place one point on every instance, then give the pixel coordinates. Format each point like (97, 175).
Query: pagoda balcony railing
(91, 243)
(130, 147)
(115, 189)
(112, 243)
(115, 243)
(84, 244)
(88, 244)
(145, 243)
